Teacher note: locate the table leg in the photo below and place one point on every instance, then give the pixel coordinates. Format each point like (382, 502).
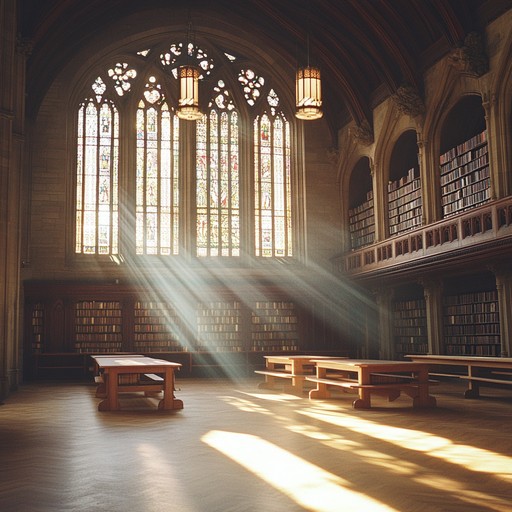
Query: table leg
(473, 390)
(321, 388)
(423, 399)
(111, 402)
(169, 401)
(364, 400)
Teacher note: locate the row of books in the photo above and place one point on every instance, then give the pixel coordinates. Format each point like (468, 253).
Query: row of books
(417, 306)
(400, 331)
(473, 299)
(273, 328)
(152, 305)
(220, 338)
(414, 347)
(471, 329)
(155, 320)
(275, 321)
(156, 336)
(468, 193)
(205, 313)
(98, 304)
(468, 145)
(152, 328)
(364, 215)
(475, 318)
(363, 239)
(274, 335)
(480, 176)
(361, 225)
(97, 320)
(405, 207)
(464, 159)
(404, 225)
(412, 189)
(473, 350)
(467, 202)
(216, 320)
(219, 305)
(93, 312)
(413, 213)
(458, 172)
(110, 328)
(404, 180)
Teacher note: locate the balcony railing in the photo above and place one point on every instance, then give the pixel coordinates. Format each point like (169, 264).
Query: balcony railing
(486, 223)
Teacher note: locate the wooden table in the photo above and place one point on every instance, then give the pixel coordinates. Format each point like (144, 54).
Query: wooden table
(480, 370)
(388, 378)
(293, 368)
(135, 374)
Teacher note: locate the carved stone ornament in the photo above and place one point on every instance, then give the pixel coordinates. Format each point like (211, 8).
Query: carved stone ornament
(333, 155)
(363, 133)
(470, 57)
(408, 101)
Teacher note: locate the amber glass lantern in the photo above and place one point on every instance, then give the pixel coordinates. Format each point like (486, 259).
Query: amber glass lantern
(308, 93)
(188, 104)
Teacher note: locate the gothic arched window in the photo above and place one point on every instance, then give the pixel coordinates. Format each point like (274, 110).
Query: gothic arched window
(150, 184)
(97, 175)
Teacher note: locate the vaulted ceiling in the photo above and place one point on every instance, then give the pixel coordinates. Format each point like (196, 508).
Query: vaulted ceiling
(365, 49)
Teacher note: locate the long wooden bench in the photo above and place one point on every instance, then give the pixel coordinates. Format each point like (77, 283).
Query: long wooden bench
(372, 377)
(479, 370)
(149, 383)
(293, 369)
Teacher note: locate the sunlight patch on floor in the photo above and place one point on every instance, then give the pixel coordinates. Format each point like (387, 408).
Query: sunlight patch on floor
(469, 457)
(308, 485)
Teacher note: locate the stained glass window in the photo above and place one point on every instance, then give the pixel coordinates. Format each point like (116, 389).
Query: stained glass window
(97, 206)
(273, 226)
(233, 166)
(157, 192)
(217, 185)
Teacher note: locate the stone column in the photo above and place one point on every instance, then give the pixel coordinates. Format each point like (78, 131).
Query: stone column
(433, 293)
(12, 103)
(504, 288)
(384, 300)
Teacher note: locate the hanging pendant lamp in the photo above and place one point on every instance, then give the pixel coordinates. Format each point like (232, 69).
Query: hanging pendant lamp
(188, 103)
(308, 91)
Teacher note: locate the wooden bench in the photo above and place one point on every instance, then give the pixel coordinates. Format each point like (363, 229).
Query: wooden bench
(372, 377)
(293, 369)
(149, 383)
(479, 370)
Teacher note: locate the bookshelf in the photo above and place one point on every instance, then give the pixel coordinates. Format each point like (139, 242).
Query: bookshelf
(219, 327)
(471, 324)
(465, 177)
(156, 327)
(37, 326)
(274, 326)
(362, 223)
(410, 327)
(98, 326)
(67, 321)
(404, 203)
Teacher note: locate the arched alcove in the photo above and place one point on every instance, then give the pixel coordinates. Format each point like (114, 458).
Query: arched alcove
(360, 182)
(361, 209)
(404, 187)
(404, 156)
(464, 161)
(465, 119)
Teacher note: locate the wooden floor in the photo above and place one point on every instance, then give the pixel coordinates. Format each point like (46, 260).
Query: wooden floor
(235, 447)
